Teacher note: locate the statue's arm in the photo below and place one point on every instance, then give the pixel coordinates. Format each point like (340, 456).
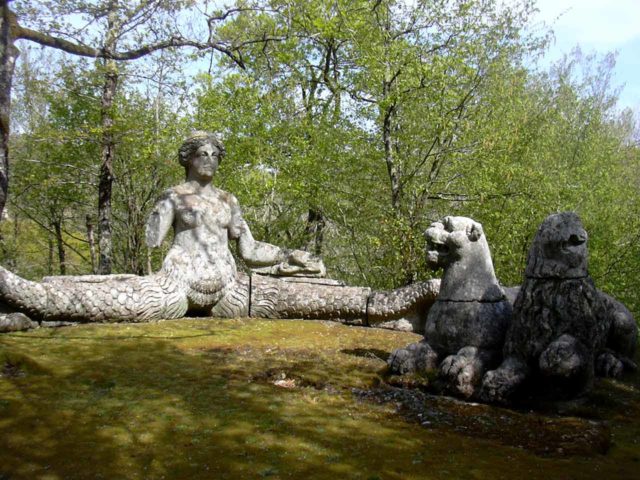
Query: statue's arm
(254, 253)
(160, 221)
(270, 259)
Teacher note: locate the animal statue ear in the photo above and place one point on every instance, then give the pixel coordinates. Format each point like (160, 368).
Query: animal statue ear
(474, 232)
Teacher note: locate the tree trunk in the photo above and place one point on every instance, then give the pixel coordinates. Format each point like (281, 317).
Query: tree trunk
(315, 230)
(135, 240)
(62, 257)
(392, 167)
(92, 244)
(105, 187)
(8, 55)
(51, 254)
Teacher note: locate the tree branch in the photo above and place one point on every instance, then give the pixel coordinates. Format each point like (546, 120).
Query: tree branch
(233, 52)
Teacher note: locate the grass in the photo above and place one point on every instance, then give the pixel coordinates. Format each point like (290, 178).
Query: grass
(258, 399)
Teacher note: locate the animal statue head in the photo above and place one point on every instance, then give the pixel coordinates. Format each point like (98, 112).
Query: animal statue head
(559, 249)
(459, 246)
(452, 239)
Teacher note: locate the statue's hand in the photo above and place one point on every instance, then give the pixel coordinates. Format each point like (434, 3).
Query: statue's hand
(296, 263)
(299, 262)
(301, 258)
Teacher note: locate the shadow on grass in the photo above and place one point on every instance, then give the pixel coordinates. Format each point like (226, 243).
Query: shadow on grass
(367, 353)
(184, 404)
(141, 407)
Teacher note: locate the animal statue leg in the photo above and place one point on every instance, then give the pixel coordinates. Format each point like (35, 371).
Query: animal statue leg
(608, 365)
(416, 357)
(621, 338)
(463, 371)
(502, 384)
(566, 365)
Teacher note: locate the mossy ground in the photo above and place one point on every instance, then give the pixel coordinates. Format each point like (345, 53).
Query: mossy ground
(244, 399)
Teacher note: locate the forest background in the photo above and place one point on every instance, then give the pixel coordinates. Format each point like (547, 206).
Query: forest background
(350, 126)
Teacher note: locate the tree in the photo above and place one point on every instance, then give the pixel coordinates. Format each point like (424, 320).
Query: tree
(554, 141)
(376, 96)
(132, 30)
(54, 160)
(147, 127)
(8, 55)
(56, 175)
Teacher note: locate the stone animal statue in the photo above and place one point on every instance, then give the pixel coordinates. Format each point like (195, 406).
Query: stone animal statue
(465, 327)
(199, 274)
(563, 329)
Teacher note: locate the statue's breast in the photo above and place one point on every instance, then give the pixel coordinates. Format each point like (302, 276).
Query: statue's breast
(194, 211)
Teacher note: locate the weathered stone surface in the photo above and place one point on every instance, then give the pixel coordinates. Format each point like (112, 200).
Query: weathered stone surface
(459, 245)
(503, 384)
(454, 325)
(622, 336)
(199, 273)
(15, 322)
(546, 309)
(411, 302)
(463, 372)
(563, 329)
(416, 357)
(468, 321)
(559, 249)
(511, 293)
(411, 323)
(297, 263)
(274, 298)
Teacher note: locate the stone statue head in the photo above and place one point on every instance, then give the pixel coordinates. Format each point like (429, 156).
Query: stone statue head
(196, 140)
(453, 239)
(559, 249)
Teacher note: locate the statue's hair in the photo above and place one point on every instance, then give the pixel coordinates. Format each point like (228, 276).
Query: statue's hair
(194, 142)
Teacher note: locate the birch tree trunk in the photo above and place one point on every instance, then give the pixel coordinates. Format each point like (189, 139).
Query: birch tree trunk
(105, 186)
(8, 55)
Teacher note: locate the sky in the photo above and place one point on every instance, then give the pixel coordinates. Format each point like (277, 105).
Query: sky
(599, 26)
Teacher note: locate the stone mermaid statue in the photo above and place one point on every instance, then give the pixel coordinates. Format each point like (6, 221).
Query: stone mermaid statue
(199, 275)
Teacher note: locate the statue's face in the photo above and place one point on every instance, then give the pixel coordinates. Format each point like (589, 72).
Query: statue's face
(450, 240)
(559, 249)
(205, 160)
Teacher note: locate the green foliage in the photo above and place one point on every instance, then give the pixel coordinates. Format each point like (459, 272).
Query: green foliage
(146, 164)
(356, 115)
(555, 142)
(54, 169)
(367, 121)
(56, 162)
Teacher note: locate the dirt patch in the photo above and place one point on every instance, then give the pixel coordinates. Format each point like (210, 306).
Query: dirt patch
(540, 434)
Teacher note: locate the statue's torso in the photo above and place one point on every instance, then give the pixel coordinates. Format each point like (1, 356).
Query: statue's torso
(200, 250)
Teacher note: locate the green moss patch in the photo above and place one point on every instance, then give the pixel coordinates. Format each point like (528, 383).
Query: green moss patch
(272, 399)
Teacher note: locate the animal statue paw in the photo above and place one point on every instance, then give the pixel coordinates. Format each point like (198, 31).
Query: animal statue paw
(500, 385)
(401, 361)
(463, 372)
(608, 365)
(413, 358)
(565, 357)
